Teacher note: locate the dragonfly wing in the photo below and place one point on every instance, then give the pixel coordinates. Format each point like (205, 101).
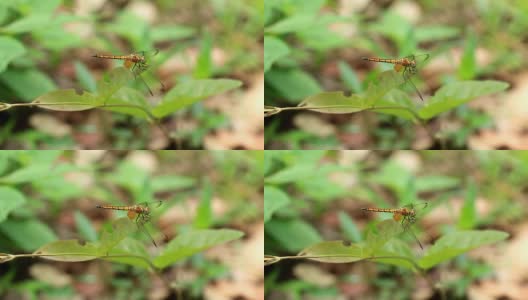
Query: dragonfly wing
(141, 227)
(407, 77)
(408, 229)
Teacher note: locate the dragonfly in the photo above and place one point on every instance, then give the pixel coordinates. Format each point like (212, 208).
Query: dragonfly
(406, 215)
(140, 213)
(137, 62)
(408, 64)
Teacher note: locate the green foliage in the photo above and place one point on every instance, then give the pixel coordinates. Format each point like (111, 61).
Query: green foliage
(377, 247)
(274, 200)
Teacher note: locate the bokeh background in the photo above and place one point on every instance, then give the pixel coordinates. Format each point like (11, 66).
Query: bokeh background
(48, 45)
(56, 196)
(318, 45)
(314, 196)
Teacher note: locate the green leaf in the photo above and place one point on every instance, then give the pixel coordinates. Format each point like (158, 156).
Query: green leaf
(113, 81)
(84, 76)
(468, 215)
(204, 65)
(128, 25)
(29, 173)
(128, 101)
(203, 217)
(66, 100)
(468, 66)
(349, 77)
(435, 33)
(189, 92)
(165, 183)
(27, 234)
(28, 23)
(348, 227)
(28, 83)
(293, 84)
(10, 199)
(68, 251)
(274, 49)
(10, 49)
(335, 251)
(457, 93)
(291, 174)
(297, 22)
(384, 231)
(114, 234)
(434, 183)
(456, 243)
(84, 226)
(334, 103)
(192, 242)
(385, 82)
(293, 235)
(161, 33)
(274, 199)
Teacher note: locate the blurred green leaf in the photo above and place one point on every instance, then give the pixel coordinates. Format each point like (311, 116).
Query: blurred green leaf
(27, 174)
(292, 174)
(165, 183)
(171, 32)
(189, 92)
(274, 199)
(192, 242)
(348, 227)
(434, 183)
(28, 23)
(293, 235)
(129, 26)
(468, 215)
(274, 49)
(28, 83)
(459, 242)
(204, 216)
(349, 77)
(10, 49)
(457, 93)
(435, 33)
(84, 226)
(10, 199)
(468, 66)
(204, 62)
(27, 234)
(293, 84)
(84, 76)
(297, 22)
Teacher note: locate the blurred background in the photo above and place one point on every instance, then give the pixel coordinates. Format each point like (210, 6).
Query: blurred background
(317, 196)
(49, 45)
(318, 46)
(47, 196)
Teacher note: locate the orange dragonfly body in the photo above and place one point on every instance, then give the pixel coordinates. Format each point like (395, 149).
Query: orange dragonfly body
(408, 64)
(140, 213)
(406, 215)
(137, 62)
